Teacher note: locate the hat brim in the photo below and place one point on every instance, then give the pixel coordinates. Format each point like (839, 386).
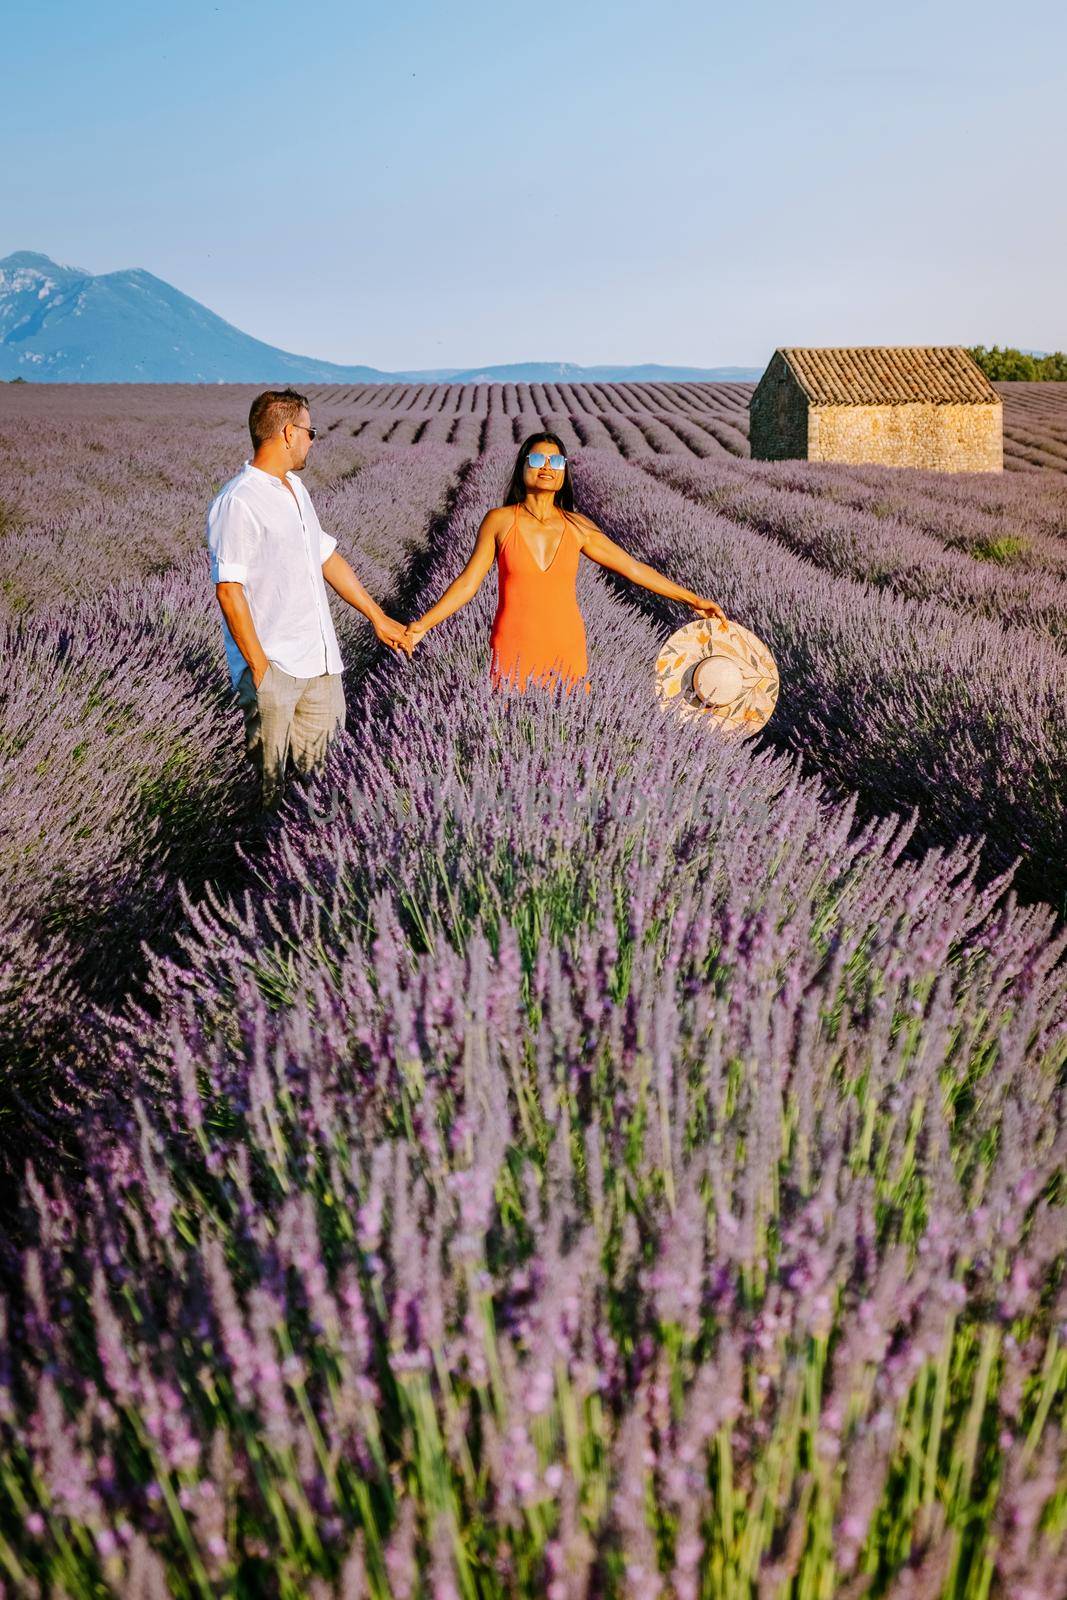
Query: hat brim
(683, 652)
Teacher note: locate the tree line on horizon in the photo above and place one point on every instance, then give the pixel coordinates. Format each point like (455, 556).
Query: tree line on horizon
(1008, 365)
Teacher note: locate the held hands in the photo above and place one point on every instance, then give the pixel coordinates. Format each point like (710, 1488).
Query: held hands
(417, 631)
(398, 635)
(393, 633)
(714, 613)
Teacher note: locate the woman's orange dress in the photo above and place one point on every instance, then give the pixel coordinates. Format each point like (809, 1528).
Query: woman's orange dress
(538, 633)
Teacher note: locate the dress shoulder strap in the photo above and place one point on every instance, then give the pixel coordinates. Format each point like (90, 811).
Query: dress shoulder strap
(568, 520)
(511, 529)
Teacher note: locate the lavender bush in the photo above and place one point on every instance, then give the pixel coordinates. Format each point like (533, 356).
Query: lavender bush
(122, 770)
(901, 701)
(1018, 521)
(96, 490)
(876, 546)
(578, 1160)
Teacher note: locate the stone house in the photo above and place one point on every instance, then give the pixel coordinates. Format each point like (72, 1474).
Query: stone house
(928, 406)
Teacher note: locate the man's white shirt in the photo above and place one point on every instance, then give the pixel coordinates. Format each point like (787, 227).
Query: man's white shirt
(260, 536)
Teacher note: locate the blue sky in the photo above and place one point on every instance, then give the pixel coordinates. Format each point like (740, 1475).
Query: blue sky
(419, 184)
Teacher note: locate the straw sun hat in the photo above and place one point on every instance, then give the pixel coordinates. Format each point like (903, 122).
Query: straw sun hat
(706, 670)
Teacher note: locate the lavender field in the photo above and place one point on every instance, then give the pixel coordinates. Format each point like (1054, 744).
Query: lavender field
(562, 1154)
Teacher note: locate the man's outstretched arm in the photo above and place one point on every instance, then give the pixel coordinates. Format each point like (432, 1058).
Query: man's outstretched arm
(343, 581)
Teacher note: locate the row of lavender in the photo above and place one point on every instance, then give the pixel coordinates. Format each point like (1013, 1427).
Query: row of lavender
(121, 768)
(676, 418)
(91, 473)
(908, 703)
(918, 539)
(1015, 526)
(855, 532)
(96, 488)
(686, 414)
(584, 1164)
(995, 547)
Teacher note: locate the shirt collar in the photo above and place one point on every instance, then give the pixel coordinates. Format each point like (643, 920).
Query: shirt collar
(269, 476)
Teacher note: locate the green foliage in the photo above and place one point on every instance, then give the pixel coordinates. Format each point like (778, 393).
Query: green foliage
(1008, 365)
(1003, 550)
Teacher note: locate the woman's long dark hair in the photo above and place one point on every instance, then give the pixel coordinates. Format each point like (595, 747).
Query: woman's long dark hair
(564, 497)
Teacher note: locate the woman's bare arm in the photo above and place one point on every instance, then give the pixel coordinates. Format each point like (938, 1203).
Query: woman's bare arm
(606, 553)
(464, 587)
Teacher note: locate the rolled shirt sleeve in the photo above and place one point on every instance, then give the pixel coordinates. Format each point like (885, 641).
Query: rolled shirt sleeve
(231, 536)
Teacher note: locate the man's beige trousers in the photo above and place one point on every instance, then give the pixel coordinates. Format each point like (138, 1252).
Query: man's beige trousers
(285, 717)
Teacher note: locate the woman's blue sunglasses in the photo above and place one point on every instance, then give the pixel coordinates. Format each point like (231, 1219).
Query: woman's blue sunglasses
(537, 458)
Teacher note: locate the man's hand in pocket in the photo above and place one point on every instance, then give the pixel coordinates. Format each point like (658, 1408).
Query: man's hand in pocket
(257, 680)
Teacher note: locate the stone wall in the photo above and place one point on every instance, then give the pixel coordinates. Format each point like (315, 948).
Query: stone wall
(778, 415)
(946, 438)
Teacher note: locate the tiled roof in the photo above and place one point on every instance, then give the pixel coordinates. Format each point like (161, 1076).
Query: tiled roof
(890, 375)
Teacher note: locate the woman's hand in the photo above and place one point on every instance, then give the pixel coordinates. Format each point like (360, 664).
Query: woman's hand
(416, 631)
(392, 633)
(714, 613)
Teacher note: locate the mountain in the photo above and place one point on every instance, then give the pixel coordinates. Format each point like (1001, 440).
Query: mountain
(566, 372)
(62, 324)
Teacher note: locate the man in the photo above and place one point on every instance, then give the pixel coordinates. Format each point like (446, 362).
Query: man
(271, 561)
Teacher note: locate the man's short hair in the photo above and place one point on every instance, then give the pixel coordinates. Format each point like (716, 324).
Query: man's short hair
(271, 410)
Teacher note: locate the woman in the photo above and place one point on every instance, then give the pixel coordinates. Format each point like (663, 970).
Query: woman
(536, 538)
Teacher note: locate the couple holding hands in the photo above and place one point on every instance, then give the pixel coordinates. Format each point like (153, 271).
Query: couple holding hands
(271, 561)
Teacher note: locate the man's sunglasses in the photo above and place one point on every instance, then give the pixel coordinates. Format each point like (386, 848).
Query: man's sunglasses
(537, 458)
(312, 433)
